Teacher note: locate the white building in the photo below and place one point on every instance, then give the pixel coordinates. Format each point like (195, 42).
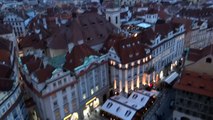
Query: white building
(61, 92)
(18, 21)
(129, 59)
(167, 47)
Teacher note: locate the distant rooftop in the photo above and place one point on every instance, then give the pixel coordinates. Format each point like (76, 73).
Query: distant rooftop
(196, 83)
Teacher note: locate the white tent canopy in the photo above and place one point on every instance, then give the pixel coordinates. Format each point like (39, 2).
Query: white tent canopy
(171, 77)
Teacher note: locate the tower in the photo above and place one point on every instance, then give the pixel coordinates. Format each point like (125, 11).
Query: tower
(113, 13)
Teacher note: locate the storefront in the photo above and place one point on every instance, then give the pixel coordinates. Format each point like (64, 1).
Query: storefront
(73, 116)
(90, 106)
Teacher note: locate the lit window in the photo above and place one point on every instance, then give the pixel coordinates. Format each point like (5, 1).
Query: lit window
(139, 62)
(120, 65)
(126, 65)
(84, 96)
(143, 60)
(97, 87)
(146, 59)
(133, 64)
(92, 91)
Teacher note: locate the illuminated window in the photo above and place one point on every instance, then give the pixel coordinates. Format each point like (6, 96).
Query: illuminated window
(143, 60)
(92, 91)
(97, 87)
(57, 114)
(66, 109)
(133, 64)
(84, 96)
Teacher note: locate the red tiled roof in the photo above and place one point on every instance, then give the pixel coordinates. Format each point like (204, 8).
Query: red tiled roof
(60, 39)
(196, 83)
(33, 64)
(197, 54)
(32, 40)
(44, 74)
(77, 56)
(4, 57)
(26, 59)
(197, 13)
(187, 22)
(5, 44)
(130, 50)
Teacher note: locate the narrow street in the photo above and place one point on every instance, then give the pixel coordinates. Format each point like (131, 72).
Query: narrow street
(161, 109)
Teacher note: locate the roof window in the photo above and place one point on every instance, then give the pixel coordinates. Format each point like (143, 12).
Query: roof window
(128, 112)
(109, 105)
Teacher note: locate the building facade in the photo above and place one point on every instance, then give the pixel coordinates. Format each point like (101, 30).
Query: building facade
(12, 105)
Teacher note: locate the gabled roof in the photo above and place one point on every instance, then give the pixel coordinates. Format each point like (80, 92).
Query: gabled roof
(33, 64)
(130, 50)
(197, 54)
(196, 83)
(32, 40)
(44, 73)
(77, 56)
(187, 22)
(60, 39)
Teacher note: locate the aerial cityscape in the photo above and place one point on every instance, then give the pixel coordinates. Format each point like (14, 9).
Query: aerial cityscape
(106, 59)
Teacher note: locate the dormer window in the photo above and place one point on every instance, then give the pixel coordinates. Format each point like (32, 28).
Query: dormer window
(118, 109)
(128, 112)
(134, 96)
(109, 105)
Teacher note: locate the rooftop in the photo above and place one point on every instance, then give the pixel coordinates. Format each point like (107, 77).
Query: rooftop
(196, 83)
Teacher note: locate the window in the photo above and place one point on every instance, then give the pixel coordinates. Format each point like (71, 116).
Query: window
(63, 91)
(55, 104)
(128, 112)
(57, 114)
(84, 96)
(109, 19)
(54, 84)
(73, 94)
(208, 60)
(66, 109)
(134, 96)
(65, 99)
(65, 80)
(118, 109)
(109, 105)
(59, 82)
(116, 20)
